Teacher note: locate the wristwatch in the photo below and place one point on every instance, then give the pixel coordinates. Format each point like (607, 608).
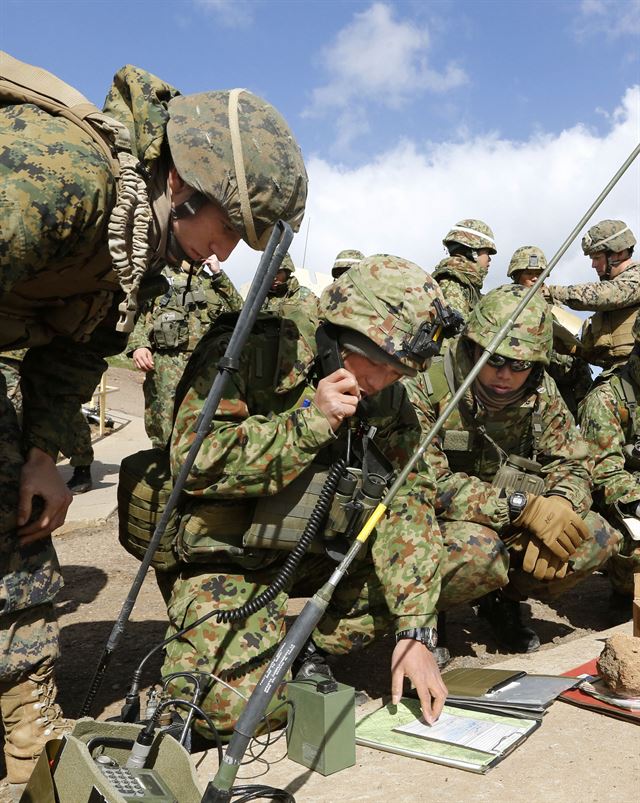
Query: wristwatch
(425, 635)
(516, 503)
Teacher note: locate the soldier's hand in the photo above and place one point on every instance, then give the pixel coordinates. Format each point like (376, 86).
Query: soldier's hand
(540, 561)
(143, 359)
(337, 396)
(413, 660)
(553, 520)
(40, 477)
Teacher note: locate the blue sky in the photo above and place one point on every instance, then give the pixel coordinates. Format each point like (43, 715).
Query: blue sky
(408, 113)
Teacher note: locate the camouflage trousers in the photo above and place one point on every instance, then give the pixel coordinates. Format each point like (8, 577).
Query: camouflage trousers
(358, 614)
(30, 575)
(80, 451)
(159, 390)
(592, 553)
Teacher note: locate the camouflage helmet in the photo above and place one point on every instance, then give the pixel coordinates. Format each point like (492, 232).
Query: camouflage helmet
(473, 233)
(386, 301)
(345, 260)
(531, 336)
(527, 257)
(607, 235)
(287, 264)
(237, 150)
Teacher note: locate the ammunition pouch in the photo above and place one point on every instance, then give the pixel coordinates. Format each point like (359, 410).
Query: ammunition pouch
(144, 487)
(519, 474)
(170, 330)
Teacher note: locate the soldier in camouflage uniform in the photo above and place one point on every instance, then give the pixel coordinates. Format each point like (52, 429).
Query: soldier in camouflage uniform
(570, 372)
(344, 260)
(610, 425)
(266, 441)
(606, 336)
(289, 300)
(470, 244)
(79, 451)
(74, 246)
(168, 331)
(513, 411)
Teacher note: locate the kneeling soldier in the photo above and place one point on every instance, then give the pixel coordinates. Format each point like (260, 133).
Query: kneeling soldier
(254, 481)
(511, 466)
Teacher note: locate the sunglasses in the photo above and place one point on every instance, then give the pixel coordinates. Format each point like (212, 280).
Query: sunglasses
(498, 361)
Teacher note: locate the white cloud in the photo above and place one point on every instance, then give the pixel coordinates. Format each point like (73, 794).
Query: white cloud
(230, 13)
(614, 18)
(378, 59)
(531, 193)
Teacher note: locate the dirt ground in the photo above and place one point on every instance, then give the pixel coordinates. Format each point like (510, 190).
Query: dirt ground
(98, 574)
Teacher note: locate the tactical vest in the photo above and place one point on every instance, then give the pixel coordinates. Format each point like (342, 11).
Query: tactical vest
(87, 289)
(607, 336)
(183, 314)
(204, 530)
(515, 472)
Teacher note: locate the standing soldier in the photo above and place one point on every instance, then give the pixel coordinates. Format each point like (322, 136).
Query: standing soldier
(606, 336)
(510, 460)
(169, 330)
(470, 244)
(345, 260)
(570, 372)
(610, 424)
(91, 202)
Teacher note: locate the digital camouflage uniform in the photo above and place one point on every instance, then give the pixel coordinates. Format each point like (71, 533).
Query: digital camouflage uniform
(606, 336)
(59, 289)
(80, 450)
(466, 461)
(170, 327)
(570, 372)
(609, 423)
(459, 275)
(264, 437)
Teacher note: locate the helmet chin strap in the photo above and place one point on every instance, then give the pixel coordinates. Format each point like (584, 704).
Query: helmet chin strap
(187, 208)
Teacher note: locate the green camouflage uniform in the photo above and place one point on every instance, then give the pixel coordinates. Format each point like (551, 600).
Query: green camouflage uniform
(459, 275)
(461, 281)
(571, 373)
(59, 289)
(609, 422)
(262, 438)
(466, 462)
(170, 328)
(297, 304)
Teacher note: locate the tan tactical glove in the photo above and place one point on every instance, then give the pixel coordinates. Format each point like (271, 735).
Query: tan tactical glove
(538, 559)
(553, 520)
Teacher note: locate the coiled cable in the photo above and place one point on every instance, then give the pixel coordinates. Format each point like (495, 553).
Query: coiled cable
(286, 573)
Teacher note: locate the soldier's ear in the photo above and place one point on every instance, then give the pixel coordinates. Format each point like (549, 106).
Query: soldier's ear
(180, 191)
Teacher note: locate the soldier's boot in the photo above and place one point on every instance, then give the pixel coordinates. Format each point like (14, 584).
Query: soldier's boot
(31, 717)
(504, 617)
(441, 652)
(80, 481)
